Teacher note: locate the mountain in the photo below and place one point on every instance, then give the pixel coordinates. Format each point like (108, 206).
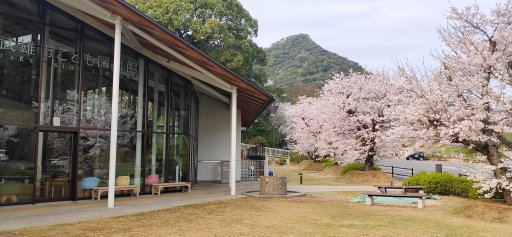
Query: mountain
(301, 66)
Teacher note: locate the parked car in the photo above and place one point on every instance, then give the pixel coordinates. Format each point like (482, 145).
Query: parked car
(61, 161)
(419, 155)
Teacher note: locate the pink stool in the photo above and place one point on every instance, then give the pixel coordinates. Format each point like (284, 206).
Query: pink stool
(152, 179)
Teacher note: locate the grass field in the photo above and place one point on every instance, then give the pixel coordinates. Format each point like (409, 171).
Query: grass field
(317, 178)
(308, 177)
(320, 214)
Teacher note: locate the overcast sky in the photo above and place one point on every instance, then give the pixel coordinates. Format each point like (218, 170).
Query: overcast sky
(375, 33)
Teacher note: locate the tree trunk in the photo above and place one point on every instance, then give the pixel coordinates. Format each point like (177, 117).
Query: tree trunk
(368, 163)
(508, 196)
(494, 158)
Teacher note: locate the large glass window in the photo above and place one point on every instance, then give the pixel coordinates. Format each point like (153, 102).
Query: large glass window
(155, 162)
(180, 98)
(93, 157)
(96, 80)
(131, 90)
(54, 165)
(178, 158)
(60, 77)
(20, 31)
(125, 160)
(157, 108)
(17, 145)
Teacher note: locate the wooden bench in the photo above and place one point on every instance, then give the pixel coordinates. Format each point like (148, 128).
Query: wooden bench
(420, 197)
(96, 192)
(384, 188)
(157, 188)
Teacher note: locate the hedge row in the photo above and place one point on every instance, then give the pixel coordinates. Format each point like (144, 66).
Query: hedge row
(444, 184)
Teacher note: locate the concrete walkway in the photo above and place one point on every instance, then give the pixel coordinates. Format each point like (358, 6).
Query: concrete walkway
(21, 216)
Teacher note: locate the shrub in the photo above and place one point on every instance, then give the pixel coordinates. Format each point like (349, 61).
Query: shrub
(324, 159)
(257, 141)
(296, 158)
(328, 163)
(281, 161)
(5, 171)
(444, 184)
(351, 166)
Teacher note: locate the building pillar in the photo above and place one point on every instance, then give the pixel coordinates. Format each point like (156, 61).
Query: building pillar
(140, 120)
(114, 114)
(232, 142)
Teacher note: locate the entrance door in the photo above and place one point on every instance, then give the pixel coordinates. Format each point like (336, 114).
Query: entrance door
(55, 176)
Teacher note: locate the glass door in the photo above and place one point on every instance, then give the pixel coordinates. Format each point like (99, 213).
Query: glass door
(56, 155)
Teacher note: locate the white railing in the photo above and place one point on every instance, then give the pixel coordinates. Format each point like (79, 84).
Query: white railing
(263, 151)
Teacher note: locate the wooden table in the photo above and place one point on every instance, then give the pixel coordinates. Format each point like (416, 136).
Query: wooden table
(55, 183)
(384, 188)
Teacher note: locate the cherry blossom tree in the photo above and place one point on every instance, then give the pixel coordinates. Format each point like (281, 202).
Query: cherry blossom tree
(348, 120)
(359, 105)
(468, 100)
(303, 127)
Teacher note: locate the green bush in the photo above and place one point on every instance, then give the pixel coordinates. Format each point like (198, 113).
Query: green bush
(444, 184)
(4, 171)
(281, 161)
(324, 159)
(296, 158)
(329, 163)
(351, 166)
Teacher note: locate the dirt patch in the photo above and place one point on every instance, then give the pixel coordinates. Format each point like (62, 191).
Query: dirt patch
(304, 163)
(331, 171)
(367, 178)
(314, 167)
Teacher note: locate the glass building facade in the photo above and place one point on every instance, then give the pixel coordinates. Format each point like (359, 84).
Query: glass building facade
(55, 109)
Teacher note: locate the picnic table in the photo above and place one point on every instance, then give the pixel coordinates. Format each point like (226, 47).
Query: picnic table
(421, 197)
(384, 188)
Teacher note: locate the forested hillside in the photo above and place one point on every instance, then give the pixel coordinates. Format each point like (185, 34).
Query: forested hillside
(301, 66)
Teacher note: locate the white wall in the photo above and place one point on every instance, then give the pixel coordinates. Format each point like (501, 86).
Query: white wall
(213, 138)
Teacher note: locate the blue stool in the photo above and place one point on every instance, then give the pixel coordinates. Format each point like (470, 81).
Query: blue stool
(89, 183)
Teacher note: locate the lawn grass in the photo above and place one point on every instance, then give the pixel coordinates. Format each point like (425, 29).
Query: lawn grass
(446, 151)
(317, 214)
(308, 177)
(317, 178)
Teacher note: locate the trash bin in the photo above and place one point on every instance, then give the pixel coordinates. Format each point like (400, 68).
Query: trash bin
(439, 168)
(270, 173)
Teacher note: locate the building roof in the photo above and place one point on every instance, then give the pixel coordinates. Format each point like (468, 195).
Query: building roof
(251, 99)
